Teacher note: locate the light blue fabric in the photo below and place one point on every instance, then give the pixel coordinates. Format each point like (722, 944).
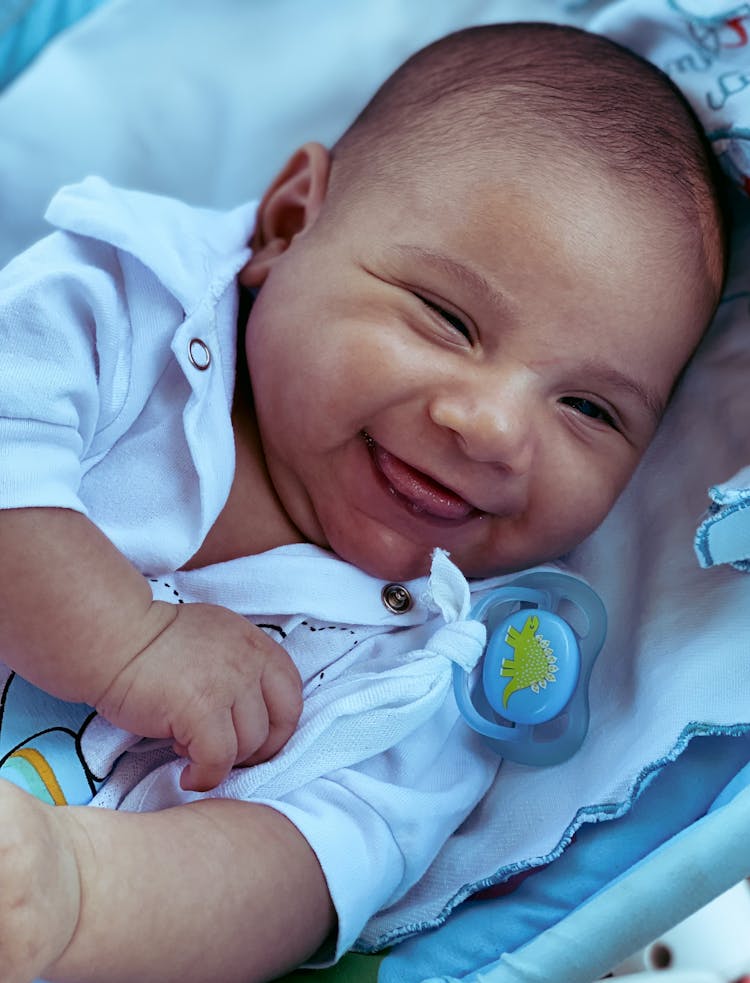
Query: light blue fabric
(480, 931)
(684, 874)
(27, 25)
(724, 534)
(43, 744)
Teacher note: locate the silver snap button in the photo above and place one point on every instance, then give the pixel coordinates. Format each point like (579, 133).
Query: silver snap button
(396, 598)
(199, 354)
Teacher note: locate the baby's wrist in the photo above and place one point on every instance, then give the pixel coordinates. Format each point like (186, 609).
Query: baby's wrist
(113, 681)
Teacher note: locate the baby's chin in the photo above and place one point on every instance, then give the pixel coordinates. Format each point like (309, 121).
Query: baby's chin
(386, 561)
(395, 570)
(396, 566)
(393, 558)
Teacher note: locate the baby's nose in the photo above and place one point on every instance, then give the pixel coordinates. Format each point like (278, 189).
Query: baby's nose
(493, 424)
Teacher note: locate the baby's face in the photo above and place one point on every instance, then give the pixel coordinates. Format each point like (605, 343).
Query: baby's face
(475, 361)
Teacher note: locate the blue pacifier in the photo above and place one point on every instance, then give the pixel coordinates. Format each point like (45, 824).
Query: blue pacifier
(545, 630)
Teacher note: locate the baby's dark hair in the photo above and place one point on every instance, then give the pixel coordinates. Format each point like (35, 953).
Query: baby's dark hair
(539, 86)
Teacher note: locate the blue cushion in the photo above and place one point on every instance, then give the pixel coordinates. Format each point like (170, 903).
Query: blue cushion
(27, 25)
(481, 930)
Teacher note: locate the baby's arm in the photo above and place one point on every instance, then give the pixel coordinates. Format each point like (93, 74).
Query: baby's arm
(212, 890)
(78, 620)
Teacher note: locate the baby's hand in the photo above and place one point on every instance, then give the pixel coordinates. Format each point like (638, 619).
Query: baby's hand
(218, 686)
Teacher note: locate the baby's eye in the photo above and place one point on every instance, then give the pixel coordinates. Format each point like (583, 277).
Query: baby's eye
(587, 407)
(452, 319)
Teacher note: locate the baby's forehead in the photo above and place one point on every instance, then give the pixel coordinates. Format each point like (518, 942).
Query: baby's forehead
(553, 245)
(458, 128)
(558, 103)
(487, 91)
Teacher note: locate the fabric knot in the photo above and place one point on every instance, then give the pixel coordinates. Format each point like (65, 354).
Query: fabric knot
(447, 588)
(461, 642)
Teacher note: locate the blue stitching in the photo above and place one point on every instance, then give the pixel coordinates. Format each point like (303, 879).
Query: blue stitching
(733, 133)
(713, 19)
(700, 543)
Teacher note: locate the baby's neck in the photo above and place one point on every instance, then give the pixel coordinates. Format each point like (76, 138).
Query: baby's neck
(253, 520)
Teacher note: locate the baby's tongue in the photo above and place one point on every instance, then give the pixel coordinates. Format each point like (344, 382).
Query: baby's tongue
(422, 493)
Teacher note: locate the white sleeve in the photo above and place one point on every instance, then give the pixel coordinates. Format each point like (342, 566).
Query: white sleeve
(61, 370)
(376, 828)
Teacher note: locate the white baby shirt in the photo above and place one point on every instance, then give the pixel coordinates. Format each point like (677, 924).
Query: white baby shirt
(127, 419)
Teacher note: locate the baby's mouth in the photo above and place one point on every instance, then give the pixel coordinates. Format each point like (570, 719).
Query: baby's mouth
(422, 494)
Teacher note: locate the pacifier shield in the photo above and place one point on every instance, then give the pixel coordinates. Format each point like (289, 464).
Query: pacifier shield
(531, 666)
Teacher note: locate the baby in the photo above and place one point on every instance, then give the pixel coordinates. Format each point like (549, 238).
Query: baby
(458, 328)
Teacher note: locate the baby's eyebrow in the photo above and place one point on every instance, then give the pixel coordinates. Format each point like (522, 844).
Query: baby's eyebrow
(472, 279)
(606, 374)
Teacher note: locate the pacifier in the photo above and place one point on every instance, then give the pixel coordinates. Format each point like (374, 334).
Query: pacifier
(529, 694)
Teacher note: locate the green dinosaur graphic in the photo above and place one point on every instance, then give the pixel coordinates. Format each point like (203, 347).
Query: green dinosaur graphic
(533, 664)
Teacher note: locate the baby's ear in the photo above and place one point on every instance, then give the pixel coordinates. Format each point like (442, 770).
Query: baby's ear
(290, 204)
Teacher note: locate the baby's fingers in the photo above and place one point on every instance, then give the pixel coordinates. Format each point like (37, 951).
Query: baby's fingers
(234, 734)
(212, 751)
(282, 691)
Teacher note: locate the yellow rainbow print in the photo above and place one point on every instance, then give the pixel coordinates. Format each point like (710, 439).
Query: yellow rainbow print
(37, 775)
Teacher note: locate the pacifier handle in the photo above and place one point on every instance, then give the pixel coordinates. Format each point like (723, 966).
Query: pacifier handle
(531, 701)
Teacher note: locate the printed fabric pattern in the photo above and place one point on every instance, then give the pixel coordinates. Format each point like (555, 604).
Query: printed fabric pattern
(704, 47)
